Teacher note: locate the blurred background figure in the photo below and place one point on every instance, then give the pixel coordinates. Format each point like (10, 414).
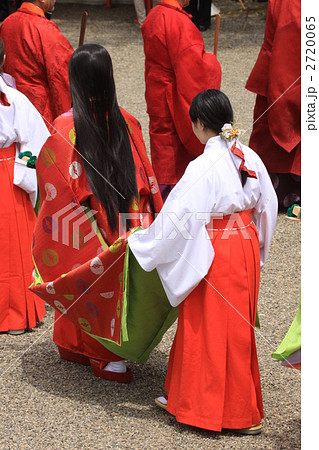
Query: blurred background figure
(177, 67)
(275, 78)
(201, 13)
(37, 56)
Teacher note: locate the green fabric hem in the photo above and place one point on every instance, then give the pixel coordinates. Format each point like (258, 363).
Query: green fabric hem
(123, 350)
(37, 277)
(149, 313)
(124, 332)
(292, 340)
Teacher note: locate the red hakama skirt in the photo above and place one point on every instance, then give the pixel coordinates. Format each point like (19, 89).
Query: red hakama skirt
(19, 307)
(213, 378)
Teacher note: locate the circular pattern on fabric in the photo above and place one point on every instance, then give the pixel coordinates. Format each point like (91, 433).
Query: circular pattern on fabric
(72, 136)
(118, 309)
(49, 224)
(50, 257)
(50, 288)
(107, 294)
(84, 324)
(75, 170)
(82, 286)
(112, 327)
(92, 309)
(96, 266)
(69, 297)
(48, 157)
(60, 307)
(115, 247)
(153, 185)
(51, 191)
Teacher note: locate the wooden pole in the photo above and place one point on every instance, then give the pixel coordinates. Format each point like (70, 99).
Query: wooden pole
(217, 23)
(246, 9)
(83, 27)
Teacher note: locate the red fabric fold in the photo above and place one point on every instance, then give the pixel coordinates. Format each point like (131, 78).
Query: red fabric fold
(237, 152)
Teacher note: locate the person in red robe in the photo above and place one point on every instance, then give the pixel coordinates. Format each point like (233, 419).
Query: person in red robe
(176, 69)
(96, 158)
(275, 78)
(37, 56)
(21, 128)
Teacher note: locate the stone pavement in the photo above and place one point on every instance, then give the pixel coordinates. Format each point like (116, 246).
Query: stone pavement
(50, 403)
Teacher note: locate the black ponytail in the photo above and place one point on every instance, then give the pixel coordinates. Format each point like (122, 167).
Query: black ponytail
(213, 109)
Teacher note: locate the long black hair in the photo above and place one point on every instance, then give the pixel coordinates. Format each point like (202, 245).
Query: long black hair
(101, 134)
(213, 109)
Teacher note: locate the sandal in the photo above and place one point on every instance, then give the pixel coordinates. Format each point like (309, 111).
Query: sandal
(97, 367)
(16, 332)
(162, 402)
(73, 356)
(253, 430)
(294, 212)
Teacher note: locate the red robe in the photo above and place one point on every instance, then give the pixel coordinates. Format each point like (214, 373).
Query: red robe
(37, 56)
(20, 308)
(62, 181)
(276, 134)
(176, 69)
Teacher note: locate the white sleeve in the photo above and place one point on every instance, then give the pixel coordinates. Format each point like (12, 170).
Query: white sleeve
(31, 133)
(265, 214)
(177, 243)
(30, 127)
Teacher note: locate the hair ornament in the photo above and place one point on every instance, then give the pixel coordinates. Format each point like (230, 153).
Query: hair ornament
(229, 132)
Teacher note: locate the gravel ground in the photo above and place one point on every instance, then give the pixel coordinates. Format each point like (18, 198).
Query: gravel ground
(55, 404)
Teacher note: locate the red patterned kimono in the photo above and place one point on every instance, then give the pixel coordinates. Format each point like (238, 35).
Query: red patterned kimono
(65, 241)
(37, 56)
(176, 69)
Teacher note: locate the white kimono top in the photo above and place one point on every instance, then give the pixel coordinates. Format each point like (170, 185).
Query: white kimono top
(177, 243)
(22, 123)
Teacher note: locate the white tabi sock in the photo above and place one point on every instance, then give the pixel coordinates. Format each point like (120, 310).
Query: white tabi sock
(116, 366)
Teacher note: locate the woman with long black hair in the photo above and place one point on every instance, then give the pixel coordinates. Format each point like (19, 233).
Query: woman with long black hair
(95, 179)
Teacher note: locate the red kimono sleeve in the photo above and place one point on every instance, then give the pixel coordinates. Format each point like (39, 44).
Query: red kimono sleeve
(57, 52)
